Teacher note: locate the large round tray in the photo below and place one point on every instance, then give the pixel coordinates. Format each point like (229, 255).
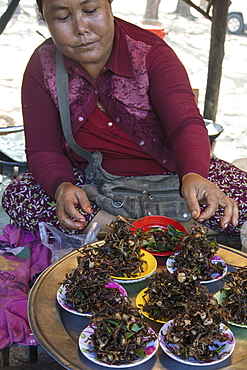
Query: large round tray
(58, 331)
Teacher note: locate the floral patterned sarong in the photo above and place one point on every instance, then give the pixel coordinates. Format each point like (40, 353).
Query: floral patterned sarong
(27, 204)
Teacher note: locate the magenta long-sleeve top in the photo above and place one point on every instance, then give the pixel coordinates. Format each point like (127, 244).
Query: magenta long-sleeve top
(151, 122)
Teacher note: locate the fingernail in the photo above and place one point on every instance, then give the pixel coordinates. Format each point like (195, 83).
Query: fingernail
(194, 213)
(81, 219)
(89, 208)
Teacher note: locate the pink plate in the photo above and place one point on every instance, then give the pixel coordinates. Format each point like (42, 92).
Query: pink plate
(146, 223)
(61, 298)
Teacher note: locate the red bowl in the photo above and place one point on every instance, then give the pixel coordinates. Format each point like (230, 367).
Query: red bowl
(148, 222)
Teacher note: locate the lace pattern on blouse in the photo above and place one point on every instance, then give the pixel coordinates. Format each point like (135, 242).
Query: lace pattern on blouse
(78, 100)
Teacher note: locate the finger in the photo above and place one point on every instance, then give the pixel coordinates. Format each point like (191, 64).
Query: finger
(70, 219)
(73, 213)
(235, 216)
(69, 224)
(84, 202)
(194, 207)
(209, 211)
(79, 200)
(230, 214)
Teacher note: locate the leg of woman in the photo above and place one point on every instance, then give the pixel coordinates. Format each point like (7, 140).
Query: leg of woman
(27, 204)
(233, 182)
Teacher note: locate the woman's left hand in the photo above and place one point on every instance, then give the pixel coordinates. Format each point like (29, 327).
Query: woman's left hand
(198, 190)
(68, 197)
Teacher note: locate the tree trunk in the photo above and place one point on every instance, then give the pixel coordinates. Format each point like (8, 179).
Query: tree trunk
(183, 9)
(152, 12)
(216, 56)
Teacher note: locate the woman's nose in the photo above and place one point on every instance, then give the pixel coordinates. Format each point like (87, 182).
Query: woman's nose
(80, 26)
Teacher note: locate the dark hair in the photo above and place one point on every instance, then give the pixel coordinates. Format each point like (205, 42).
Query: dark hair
(39, 5)
(40, 10)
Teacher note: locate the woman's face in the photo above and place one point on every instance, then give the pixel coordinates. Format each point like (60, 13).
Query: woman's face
(83, 30)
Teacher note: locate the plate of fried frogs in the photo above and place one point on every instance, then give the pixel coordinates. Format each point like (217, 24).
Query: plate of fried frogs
(198, 257)
(101, 266)
(99, 341)
(119, 255)
(232, 297)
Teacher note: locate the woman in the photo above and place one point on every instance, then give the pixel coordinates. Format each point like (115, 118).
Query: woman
(131, 99)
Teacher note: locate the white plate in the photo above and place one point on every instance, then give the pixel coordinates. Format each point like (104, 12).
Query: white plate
(224, 354)
(61, 298)
(220, 296)
(214, 260)
(87, 350)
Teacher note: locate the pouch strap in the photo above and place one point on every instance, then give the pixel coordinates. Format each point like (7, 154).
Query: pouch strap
(62, 83)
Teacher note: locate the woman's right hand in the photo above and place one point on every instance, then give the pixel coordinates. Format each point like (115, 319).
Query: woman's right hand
(68, 196)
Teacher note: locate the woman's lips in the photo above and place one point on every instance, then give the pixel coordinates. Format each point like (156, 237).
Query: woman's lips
(86, 45)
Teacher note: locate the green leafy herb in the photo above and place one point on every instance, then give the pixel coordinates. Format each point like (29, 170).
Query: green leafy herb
(140, 352)
(161, 240)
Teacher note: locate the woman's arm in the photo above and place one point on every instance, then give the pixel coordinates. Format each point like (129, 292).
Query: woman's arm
(173, 100)
(174, 103)
(46, 156)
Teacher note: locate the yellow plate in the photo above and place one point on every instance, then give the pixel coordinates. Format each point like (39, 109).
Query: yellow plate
(140, 301)
(149, 268)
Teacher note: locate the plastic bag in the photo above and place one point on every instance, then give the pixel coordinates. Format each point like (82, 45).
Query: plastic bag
(63, 243)
(243, 237)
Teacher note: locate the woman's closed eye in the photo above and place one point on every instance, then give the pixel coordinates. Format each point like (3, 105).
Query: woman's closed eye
(86, 11)
(90, 11)
(61, 17)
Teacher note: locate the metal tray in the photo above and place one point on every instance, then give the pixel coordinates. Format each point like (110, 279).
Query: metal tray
(58, 331)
